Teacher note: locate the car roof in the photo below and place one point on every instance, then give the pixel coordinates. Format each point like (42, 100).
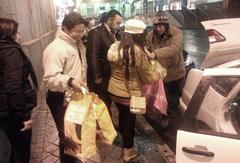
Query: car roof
(229, 28)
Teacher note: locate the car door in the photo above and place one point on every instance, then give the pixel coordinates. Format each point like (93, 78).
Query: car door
(212, 136)
(193, 78)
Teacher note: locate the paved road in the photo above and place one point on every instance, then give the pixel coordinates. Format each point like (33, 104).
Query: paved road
(45, 140)
(195, 42)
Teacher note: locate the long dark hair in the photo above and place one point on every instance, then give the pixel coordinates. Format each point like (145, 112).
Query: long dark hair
(127, 44)
(8, 29)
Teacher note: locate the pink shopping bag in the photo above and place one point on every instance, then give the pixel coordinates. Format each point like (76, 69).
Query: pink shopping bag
(155, 96)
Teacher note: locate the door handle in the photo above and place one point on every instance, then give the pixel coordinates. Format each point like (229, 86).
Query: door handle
(197, 152)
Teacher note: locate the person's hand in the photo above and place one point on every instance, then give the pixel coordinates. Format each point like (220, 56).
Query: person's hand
(77, 85)
(151, 55)
(27, 125)
(162, 71)
(98, 81)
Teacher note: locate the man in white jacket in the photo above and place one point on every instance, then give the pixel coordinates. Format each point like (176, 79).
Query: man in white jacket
(64, 65)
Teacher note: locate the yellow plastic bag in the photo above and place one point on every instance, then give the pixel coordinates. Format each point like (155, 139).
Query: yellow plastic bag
(82, 115)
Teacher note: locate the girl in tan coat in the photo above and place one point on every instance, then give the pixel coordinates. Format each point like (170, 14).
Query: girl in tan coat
(130, 69)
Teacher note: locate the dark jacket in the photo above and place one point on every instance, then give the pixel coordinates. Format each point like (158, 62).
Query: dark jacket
(17, 98)
(99, 41)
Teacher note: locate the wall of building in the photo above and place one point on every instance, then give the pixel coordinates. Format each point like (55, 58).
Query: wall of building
(233, 9)
(37, 26)
(90, 9)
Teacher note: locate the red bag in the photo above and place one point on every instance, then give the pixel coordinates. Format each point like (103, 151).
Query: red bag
(156, 97)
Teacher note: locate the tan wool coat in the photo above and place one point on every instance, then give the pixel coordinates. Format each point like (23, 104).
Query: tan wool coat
(169, 53)
(141, 73)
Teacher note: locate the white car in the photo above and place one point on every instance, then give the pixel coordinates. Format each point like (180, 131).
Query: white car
(224, 39)
(210, 102)
(224, 52)
(210, 131)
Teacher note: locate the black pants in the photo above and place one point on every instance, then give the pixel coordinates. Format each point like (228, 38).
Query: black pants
(5, 147)
(173, 92)
(55, 102)
(126, 125)
(20, 142)
(21, 146)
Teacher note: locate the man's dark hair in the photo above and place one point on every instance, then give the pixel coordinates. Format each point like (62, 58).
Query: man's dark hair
(8, 29)
(72, 19)
(112, 14)
(103, 18)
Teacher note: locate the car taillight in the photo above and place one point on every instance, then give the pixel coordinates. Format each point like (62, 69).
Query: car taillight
(214, 36)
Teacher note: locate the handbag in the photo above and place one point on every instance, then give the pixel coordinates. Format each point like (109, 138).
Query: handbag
(137, 103)
(156, 97)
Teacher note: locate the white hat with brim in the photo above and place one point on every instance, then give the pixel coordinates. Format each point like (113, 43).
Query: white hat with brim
(134, 26)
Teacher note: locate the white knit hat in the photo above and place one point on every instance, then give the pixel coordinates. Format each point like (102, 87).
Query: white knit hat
(134, 26)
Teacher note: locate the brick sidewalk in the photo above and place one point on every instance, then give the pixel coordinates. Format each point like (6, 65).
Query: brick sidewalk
(45, 140)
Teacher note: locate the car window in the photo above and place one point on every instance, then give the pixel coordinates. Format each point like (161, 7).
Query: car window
(219, 111)
(223, 85)
(234, 111)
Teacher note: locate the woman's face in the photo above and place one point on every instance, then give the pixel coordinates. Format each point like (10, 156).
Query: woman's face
(159, 28)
